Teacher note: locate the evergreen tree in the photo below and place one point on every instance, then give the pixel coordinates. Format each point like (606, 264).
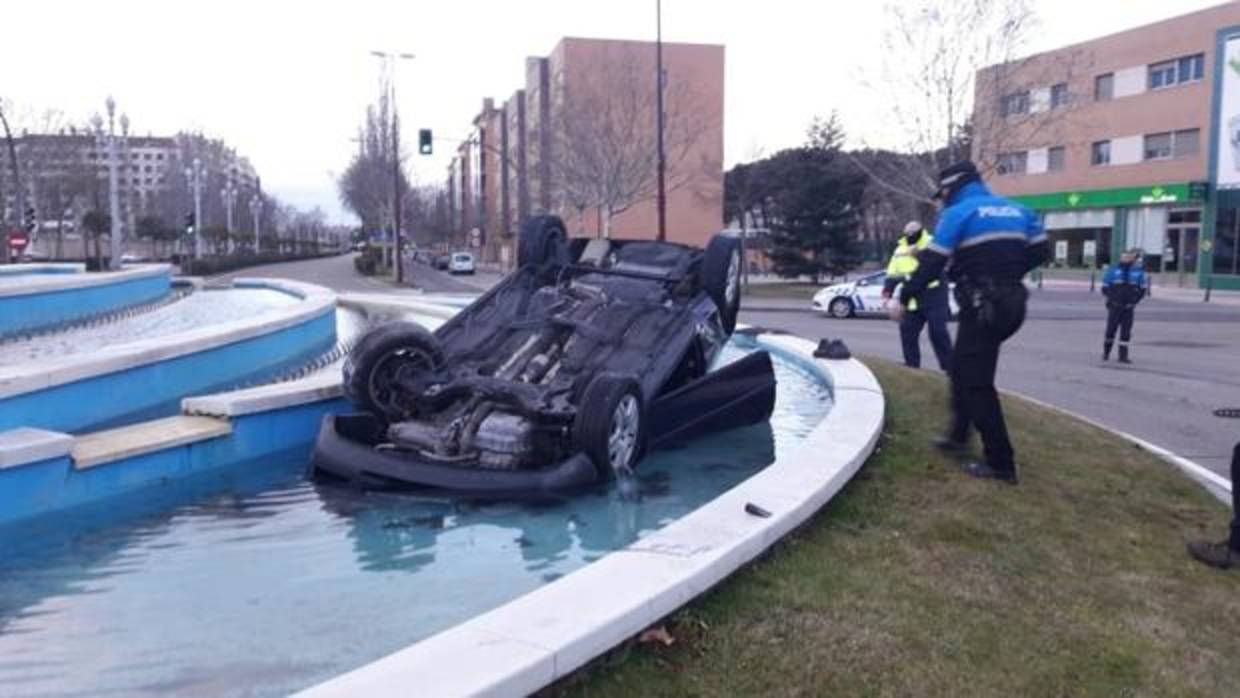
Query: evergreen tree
(815, 205)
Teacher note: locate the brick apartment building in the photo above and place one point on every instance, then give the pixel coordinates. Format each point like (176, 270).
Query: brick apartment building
(1130, 140)
(513, 164)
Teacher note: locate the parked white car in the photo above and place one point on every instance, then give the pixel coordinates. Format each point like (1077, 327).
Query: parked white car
(461, 263)
(863, 297)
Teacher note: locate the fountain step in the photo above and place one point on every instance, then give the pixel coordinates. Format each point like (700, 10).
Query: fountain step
(101, 447)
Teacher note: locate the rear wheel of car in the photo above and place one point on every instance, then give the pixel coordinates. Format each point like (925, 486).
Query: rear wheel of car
(610, 426)
(395, 351)
(543, 240)
(721, 277)
(841, 308)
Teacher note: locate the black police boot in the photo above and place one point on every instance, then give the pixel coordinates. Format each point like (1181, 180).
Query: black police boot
(950, 446)
(1106, 350)
(982, 470)
(1123, 354)
(1220, 555)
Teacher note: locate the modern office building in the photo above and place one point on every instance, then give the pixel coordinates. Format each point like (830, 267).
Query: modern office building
(526, 156)
(1127, 141)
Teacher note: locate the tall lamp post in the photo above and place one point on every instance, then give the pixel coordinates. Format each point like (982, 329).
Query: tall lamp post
(107, 140)
(389, 62)
(229, 195)
(196, 175)
(256, 209)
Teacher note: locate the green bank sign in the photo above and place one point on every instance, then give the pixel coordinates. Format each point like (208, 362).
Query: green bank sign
(1106, 198)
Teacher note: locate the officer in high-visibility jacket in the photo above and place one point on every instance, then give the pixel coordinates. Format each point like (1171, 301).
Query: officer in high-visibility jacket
(1123, 285)
(931, 308)
(992, 243)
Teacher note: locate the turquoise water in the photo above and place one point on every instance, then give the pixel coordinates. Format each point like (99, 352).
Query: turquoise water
(260, 584)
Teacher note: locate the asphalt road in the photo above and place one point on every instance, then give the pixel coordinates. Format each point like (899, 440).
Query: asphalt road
(338, 273)
(1187, 364)
(1187, 354)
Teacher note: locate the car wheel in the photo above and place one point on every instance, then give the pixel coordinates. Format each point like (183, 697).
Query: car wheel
(610, 426)
(721, 278)
(543, 241)
(384, 355)
(841, 308)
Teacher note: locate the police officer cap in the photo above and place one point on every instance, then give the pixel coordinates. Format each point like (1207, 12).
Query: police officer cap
(953, 177)
(912, 227)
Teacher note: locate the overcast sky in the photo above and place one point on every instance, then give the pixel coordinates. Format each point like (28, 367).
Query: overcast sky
(287, 82)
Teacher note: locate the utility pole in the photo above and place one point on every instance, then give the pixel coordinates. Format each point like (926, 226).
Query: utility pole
(658, 53)
(389, 60)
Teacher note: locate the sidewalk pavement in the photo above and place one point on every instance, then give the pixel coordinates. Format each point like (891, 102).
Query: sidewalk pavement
(1166, 293)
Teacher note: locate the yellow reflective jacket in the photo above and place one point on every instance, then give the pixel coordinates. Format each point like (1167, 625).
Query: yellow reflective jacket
(904, 262)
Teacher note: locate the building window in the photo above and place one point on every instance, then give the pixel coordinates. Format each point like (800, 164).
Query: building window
(1104, 87)
(1177, 72)
(1014, 104)
(1186, 143)
(1100, 153)
(1055, 159)
(1013, 163)
(1059, 95)
(1158, 146)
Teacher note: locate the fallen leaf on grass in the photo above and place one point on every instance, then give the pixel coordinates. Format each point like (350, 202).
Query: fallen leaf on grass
(656, 634)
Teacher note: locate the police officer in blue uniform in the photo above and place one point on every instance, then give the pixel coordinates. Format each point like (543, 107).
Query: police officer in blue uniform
(1123, 285)
(991, 243)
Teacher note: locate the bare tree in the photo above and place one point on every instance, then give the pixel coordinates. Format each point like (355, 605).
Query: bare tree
(941, 57)
(604, 153)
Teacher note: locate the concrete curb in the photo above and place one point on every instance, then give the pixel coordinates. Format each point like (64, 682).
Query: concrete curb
(526, 644)
(1214, 483)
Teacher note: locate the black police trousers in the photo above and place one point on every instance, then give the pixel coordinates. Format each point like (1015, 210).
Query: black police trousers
(975, 402)
(1119, 317)
(932, 309)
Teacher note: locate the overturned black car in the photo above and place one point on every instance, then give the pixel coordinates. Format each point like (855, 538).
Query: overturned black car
(591, 354)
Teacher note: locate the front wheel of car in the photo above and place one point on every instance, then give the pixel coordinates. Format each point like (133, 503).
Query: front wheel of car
(610, 426)
(384, 357)
(721, 278)
(840, 308)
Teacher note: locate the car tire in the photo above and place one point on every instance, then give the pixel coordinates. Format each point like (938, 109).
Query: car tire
(610, 427)
(841, 308)
(721, 278)
(375, 361)
(543, 240)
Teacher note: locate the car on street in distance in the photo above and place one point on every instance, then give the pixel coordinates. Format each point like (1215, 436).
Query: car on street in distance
(862, 296)
(461, 263)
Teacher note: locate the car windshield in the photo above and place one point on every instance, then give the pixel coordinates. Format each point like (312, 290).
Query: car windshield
(463, 258)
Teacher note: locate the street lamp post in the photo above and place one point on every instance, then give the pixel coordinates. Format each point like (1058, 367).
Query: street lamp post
(659, 123)
(196, 175)
(229, 195)
(127, 166)
(109, 142)
(256, 209)
(389, 60)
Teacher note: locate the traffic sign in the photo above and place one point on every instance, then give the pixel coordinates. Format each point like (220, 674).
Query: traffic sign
(18, 239)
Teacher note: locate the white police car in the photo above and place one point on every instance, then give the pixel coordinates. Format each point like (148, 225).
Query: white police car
(864, 297)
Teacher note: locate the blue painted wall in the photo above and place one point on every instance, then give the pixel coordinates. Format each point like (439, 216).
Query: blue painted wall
(38, 310)
(155, 390)
(51, 486)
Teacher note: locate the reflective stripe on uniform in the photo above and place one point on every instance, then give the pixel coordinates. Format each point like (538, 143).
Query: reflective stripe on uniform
(991, 237)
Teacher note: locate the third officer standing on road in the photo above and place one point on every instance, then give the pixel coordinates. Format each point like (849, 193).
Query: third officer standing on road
(991, 243)
(1123, 285)
(931, 308)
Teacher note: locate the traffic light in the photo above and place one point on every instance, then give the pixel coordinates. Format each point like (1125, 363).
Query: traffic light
(424, 141)
(32, 220)
(189, 223)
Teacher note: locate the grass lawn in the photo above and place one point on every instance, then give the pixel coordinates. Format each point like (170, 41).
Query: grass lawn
(918, 581)
(783, 289)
